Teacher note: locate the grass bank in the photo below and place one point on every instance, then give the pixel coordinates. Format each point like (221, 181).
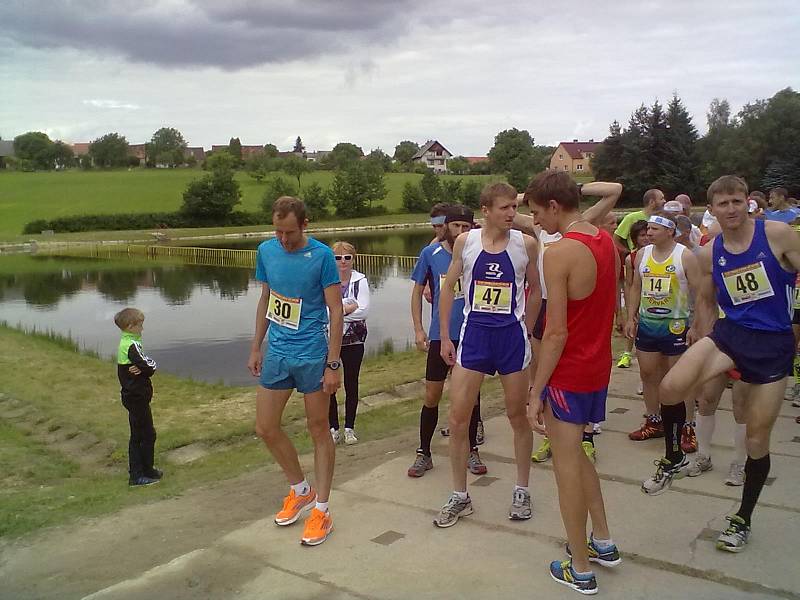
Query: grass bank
(25, 197)
(60, 396)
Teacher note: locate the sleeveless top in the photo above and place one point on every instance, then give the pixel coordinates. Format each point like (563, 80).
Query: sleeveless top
(753, 289)
(545, 240)
(665, 290)
(494, 283)
(585, 363)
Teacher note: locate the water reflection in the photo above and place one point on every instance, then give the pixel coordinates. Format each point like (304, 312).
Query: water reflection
(199, 318)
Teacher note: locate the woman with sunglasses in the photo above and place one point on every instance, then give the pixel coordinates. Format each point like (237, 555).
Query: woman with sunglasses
(355, 299)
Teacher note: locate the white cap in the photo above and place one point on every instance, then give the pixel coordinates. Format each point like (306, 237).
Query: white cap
(673, 206)
(752, 206)
(708, 219)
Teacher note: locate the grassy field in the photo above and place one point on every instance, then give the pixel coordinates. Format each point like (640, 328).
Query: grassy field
(44, 483)
(25, 197)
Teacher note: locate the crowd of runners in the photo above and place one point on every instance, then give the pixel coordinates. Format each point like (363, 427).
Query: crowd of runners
(534, 299)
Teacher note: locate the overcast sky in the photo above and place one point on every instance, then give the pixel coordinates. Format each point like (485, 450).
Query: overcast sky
(375, 72)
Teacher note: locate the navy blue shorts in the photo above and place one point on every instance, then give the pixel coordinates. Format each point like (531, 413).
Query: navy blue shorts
(435, 368)
(493, 350)
(760, 356)
(287, 373)
(580, 408)
(667, 337)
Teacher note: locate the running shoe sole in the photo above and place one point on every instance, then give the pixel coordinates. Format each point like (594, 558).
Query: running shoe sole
(464, 513)
(726, 548)
(598, 560)
(572, 587)
(305, 542)
(305, 509)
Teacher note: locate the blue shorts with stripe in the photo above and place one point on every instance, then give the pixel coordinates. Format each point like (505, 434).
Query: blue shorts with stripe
(287, 373)
(493, 350)
(580, 408)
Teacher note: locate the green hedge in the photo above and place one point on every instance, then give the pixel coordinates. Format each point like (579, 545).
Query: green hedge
(124, 221)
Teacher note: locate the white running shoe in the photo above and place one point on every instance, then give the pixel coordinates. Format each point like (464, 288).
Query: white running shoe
(335, 435)
(735, 475)
(350, 437)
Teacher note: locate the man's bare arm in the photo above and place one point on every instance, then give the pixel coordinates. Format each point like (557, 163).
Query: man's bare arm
(534, 302)
(333, 299)
(609, 195)
(447, 289)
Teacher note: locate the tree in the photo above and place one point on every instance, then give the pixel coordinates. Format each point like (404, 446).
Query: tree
(221, 160)
(431, 187)
(343, 155)
(510, 145)
(258, 166)
(451, 191)
(62, 155)
(211, 199)
(353, 189)
(298, 146)
(718, 115)
(271, 150)
(235, 150)
(404, 152)
(376, 186)
(380, 159)
(607, 163)
(110, 150)
(167, 147)
(276, 188)
(680, 171)
(35, 147)
(471, 193)
(413, 199)
(296, 167)
(316, 200)
(458, 165)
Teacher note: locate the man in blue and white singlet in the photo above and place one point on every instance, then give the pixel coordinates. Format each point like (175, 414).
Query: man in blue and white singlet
(494, 263)
(749, 270)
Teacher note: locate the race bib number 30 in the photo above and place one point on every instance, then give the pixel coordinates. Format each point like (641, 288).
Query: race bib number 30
(748, 283)
(284, 311)
(492, 297)
(458, 289)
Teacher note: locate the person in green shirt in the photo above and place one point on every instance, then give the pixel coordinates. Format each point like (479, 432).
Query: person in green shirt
(653, 201)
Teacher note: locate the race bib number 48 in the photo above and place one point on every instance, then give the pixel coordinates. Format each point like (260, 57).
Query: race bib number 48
(458, 289)
(748, 283)
(492, 297)
(284, 311)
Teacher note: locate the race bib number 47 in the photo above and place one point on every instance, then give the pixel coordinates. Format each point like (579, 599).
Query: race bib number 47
(492, 297)
(284, 311)
(748, 283)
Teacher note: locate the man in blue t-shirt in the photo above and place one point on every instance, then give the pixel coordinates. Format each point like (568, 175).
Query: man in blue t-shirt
(780, 210)
(299, 286)
(430, 270)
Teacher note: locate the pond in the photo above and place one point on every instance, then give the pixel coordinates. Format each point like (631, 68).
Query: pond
(199, 319)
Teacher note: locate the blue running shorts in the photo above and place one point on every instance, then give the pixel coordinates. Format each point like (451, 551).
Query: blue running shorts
(286, 373)
(760, 356)
(580, 408)
(493, 350)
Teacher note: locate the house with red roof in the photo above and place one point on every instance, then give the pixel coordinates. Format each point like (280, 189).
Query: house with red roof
(574, 157)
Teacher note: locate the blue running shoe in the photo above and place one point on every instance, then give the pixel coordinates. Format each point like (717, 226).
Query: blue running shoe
(607, 556)
(562, 572)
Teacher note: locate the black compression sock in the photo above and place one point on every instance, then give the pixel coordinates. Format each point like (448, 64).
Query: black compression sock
(674, 418)
(755, 475)
(428, 418)
(588, 436)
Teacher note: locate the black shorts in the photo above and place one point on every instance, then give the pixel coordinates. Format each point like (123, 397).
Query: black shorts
(796, 317)
(538, 328)
(436, 369)
(760, 356)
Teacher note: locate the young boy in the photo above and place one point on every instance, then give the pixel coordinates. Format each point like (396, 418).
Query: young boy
(134, 370)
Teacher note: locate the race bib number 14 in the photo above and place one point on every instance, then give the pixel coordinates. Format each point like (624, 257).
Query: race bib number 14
(748, 283)
(492, 297)
(284, 311)
(457, 288)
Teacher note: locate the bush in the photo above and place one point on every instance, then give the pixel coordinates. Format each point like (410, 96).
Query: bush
(133, 161)
(316, 200)
(413, 199)
(212, 198)
(275, 189)
(124, 221)
(471, 193)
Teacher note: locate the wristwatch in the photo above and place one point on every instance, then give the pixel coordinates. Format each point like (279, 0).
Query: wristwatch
(334, 365)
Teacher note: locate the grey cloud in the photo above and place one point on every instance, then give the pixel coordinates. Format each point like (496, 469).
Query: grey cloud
(200, 33)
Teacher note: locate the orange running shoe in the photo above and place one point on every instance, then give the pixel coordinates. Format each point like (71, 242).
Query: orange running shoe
(294, 506)
(317, 529)
(688, 439)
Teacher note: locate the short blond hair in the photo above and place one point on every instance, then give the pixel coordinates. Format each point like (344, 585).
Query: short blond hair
(347, 247)
(128, 317)
(493, 191)
(727, 184)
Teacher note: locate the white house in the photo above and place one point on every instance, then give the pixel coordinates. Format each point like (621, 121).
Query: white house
(434, 156)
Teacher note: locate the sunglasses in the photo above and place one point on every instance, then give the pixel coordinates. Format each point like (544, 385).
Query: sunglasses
(344, 257)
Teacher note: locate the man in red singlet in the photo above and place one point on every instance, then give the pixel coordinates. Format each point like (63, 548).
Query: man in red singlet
(571, 381)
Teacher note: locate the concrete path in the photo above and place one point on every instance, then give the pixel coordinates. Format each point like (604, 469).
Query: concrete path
(385, 547)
